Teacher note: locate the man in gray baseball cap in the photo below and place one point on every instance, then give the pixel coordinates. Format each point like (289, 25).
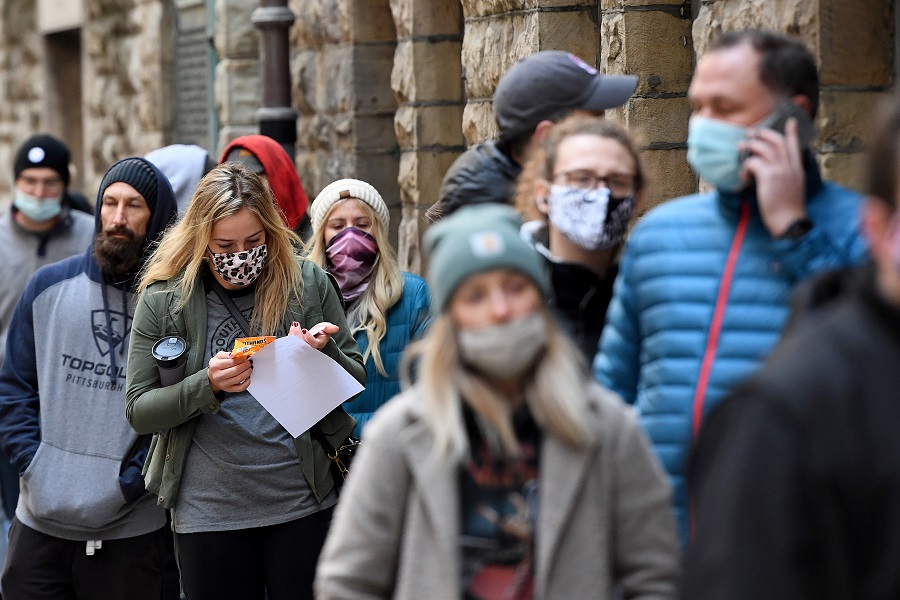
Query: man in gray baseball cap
(534, 93)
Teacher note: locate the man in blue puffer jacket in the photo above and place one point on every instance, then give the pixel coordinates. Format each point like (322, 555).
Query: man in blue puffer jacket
(703, 286)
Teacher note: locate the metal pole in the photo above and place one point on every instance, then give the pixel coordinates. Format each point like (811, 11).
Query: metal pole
(277, 119)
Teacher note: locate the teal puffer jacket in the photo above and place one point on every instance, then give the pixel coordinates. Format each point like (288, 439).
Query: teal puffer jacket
(406, 321)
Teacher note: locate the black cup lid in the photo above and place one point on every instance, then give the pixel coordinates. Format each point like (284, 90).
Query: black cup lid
(169, 348)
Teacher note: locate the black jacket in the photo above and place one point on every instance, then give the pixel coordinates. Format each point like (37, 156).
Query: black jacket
(580, 299)
(484, 173)
(795, 479)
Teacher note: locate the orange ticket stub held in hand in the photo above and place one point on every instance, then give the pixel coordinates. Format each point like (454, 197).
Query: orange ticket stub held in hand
(246, 347)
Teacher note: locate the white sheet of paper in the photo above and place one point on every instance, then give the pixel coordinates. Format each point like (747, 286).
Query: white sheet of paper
(298, 384)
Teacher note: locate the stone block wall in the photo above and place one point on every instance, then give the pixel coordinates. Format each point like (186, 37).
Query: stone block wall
(427, 83)
(127, 82)
(341, 58)
(498, 33)
(391, 91)
(651, 39)
(855, 43)
(21, 78)
(237, 78)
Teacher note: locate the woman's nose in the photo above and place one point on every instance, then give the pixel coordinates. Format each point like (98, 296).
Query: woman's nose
(500, 308)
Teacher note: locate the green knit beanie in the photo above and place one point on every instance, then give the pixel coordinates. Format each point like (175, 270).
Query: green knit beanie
(475, 239)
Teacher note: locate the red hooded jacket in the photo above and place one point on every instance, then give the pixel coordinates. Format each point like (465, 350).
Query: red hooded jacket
(279, 168)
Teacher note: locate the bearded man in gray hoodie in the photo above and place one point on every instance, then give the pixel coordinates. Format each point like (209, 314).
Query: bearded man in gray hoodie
(84, 525)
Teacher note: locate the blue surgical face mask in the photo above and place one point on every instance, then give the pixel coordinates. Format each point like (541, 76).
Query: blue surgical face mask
(37, 209)
(714, 153)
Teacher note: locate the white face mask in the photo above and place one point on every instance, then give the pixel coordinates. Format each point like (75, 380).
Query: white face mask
(504, 351)
(590, 218)
(240, 268)
(37, 209)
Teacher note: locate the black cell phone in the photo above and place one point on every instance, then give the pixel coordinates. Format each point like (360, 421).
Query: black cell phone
(806, 129)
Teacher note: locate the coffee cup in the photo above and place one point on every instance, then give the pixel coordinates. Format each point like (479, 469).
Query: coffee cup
(171, 358)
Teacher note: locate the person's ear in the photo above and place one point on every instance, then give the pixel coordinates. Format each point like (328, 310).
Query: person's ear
(802, 100)
(638, 203)
(542, 196)
(542, 130)
(875, 219)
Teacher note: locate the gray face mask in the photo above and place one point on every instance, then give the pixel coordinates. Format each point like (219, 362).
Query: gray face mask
(504, 351)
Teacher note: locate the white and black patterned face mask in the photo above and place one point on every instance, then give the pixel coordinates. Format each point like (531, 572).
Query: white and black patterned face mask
(590, 218)
(240, 268)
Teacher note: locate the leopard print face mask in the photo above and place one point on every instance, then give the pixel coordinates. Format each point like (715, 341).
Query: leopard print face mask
(240, 268)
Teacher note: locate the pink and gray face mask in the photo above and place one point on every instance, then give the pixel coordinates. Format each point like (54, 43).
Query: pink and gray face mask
(351, 258)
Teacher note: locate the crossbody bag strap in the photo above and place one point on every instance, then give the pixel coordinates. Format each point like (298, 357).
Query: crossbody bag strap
(210, 281)
(245, 326)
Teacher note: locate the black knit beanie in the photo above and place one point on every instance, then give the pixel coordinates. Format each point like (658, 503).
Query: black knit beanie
(137, 173)
(43, 151)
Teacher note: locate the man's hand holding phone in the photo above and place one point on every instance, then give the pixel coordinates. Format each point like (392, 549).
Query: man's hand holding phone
(775, 163)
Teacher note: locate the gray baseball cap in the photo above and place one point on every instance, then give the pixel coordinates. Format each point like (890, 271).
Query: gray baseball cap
(247, 158)
(550, 83)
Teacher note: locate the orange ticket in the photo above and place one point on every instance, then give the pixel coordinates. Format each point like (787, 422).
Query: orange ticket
(246, 347)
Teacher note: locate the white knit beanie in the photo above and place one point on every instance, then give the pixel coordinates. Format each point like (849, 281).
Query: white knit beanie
(343, 189)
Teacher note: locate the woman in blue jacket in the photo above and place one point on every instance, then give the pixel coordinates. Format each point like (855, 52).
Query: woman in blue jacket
(386, 307)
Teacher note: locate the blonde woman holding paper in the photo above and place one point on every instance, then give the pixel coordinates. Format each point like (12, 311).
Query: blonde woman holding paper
(250, 504)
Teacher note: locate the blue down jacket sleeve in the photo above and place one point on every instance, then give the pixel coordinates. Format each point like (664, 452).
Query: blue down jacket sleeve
(617, 367)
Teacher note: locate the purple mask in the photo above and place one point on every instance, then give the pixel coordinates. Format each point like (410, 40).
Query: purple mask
(351, 259)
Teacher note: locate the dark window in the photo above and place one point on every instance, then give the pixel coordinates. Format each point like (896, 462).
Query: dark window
(195, 117)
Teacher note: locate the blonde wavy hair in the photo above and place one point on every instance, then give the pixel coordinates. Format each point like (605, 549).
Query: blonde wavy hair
(554, 391)
(224, 191)
(369, 312)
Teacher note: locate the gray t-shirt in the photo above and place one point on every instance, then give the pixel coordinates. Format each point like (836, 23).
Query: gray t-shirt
(242, 469)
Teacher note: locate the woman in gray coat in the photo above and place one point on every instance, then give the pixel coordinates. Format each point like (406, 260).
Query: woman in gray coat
(504, 471)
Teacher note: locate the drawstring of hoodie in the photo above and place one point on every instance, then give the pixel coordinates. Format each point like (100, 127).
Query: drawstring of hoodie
(109, 330)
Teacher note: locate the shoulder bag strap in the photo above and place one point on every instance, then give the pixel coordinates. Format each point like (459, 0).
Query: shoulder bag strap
(210, 281)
